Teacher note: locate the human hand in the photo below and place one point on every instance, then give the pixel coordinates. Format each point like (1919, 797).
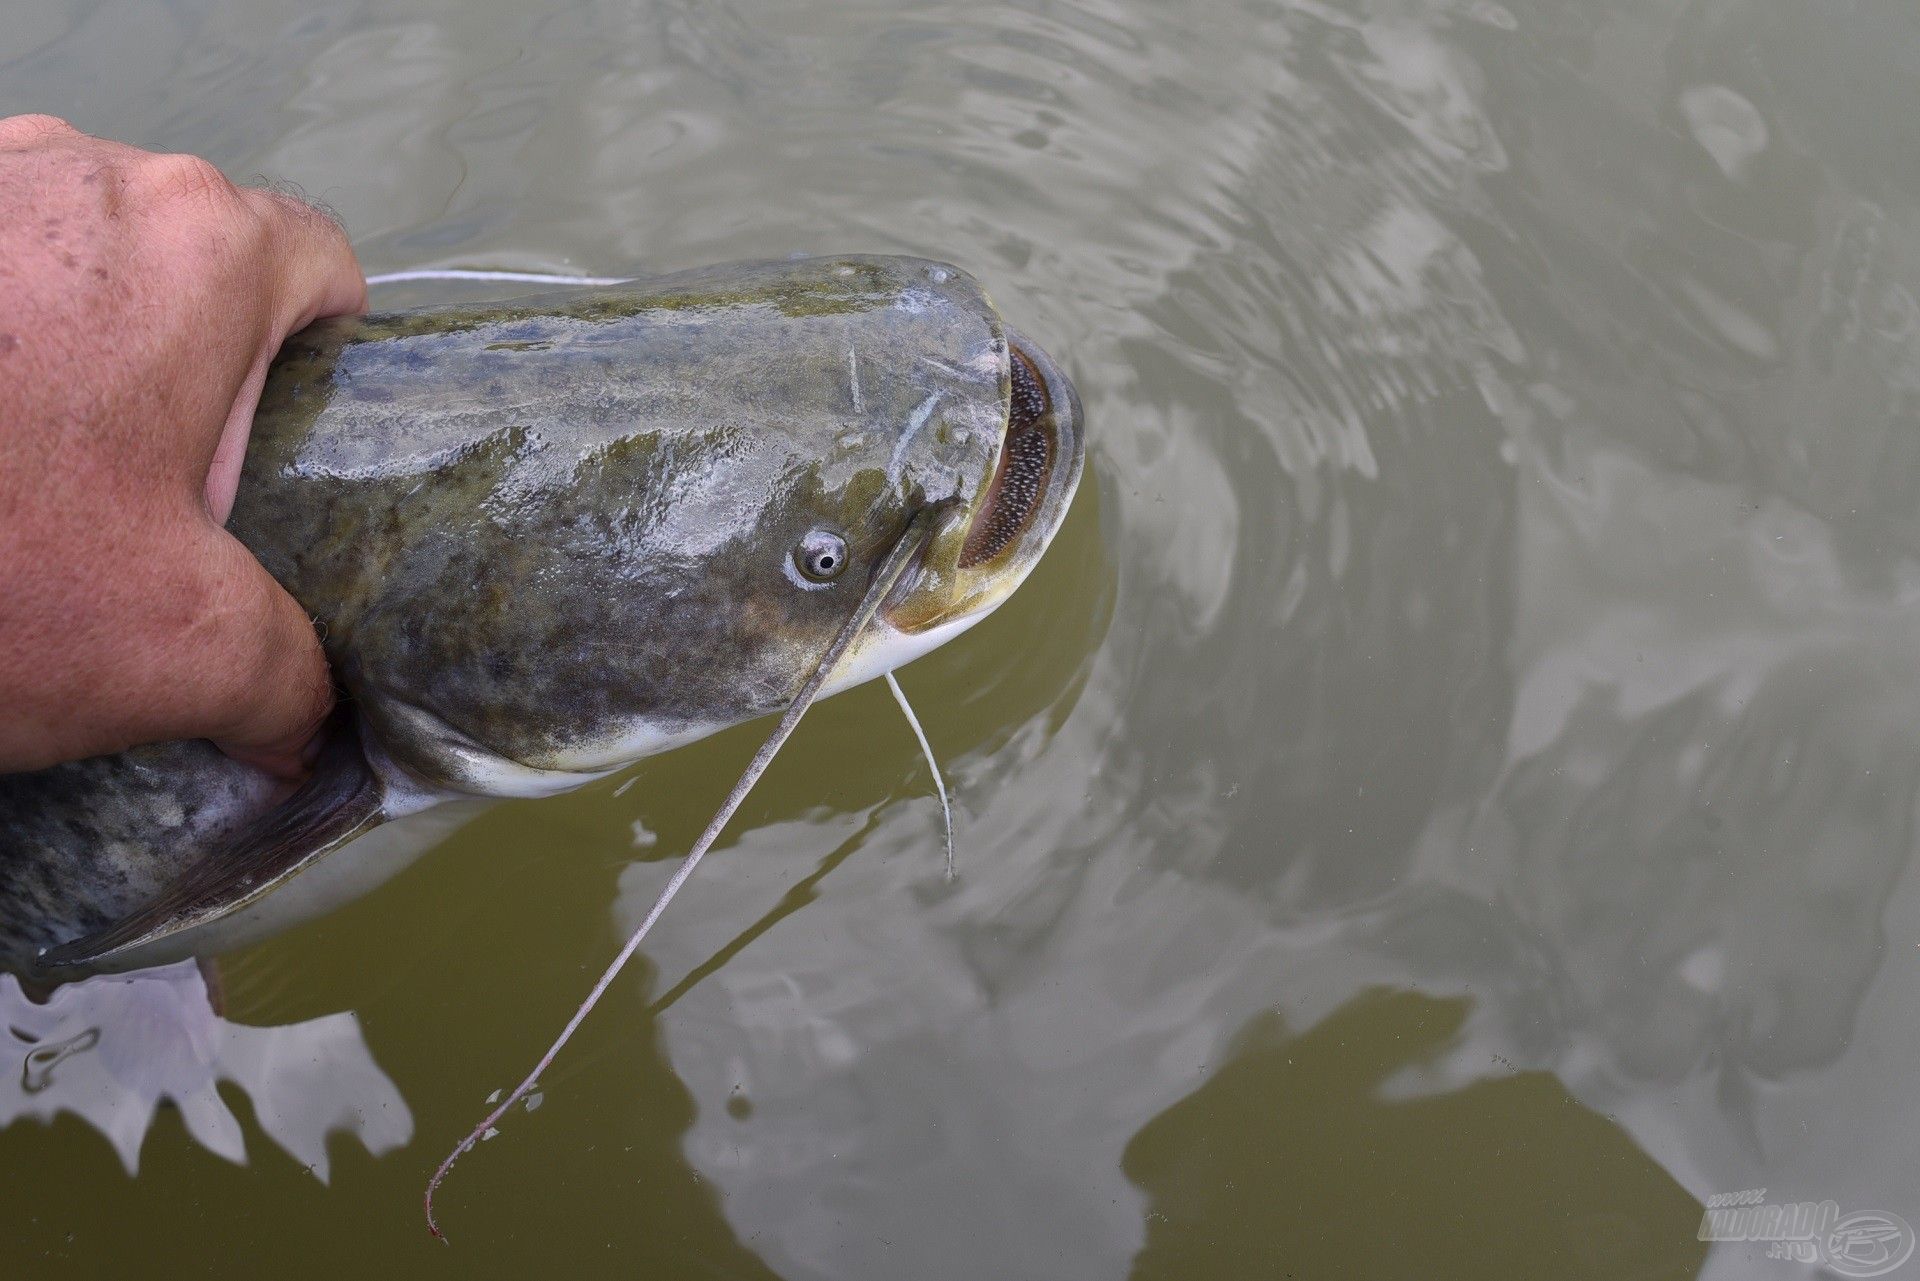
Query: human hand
(141, 299)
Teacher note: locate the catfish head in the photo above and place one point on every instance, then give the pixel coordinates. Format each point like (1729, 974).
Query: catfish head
(548, 537)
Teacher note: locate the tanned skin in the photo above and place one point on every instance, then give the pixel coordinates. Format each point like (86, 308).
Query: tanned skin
(141, 299)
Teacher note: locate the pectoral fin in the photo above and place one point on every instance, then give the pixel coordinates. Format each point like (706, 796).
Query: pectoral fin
(341, 801)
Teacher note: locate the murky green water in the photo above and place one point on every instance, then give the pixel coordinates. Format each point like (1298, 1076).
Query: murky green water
(1444, 808)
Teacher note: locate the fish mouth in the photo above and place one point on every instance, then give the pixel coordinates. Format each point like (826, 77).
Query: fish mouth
(1039, 463)
(992, 544)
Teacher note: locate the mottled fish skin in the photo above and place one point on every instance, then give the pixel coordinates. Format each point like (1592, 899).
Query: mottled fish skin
(81, 843)
(547, 537)
(506, 551)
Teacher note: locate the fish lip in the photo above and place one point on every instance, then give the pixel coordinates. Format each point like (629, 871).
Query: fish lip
(1022, 510)
(951, 588)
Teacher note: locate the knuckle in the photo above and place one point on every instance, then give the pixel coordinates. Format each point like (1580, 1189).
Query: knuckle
(284, 198)
(277, 217)
(292, 220)
(31, 128)
(183, 179)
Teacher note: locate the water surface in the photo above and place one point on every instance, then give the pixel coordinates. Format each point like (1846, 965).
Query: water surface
(1444, 807)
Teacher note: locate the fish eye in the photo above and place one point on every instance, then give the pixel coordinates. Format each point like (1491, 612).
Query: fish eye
(821, 555)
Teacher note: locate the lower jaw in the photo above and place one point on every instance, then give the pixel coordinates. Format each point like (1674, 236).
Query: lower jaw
(889, 647)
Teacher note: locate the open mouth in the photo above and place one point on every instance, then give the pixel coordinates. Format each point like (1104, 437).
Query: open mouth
(1028, 455)
(1022, 505)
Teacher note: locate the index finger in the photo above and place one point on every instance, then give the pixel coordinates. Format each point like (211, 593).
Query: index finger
(316, 272)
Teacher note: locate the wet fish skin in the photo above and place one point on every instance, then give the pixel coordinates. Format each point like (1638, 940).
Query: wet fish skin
(80, 841)
(540, 561)
(547, 537)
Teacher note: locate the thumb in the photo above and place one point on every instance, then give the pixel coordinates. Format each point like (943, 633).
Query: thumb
(266, 685)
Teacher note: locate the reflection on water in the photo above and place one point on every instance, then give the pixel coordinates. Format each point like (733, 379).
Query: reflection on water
(1295, 1141)
(1483, 647)
(113, 1050)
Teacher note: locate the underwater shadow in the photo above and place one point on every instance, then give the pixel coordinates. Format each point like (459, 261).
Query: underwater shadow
(1296, 1158)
